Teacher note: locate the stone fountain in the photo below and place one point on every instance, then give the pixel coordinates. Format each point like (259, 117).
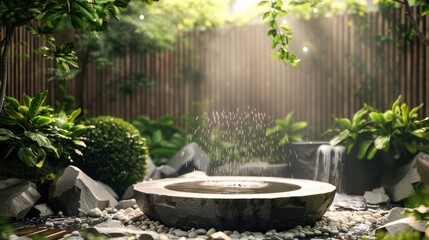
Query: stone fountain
(231, 202)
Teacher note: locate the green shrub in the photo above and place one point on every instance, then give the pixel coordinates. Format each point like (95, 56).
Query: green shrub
(33, 134)
(164, 138)
(115, 154)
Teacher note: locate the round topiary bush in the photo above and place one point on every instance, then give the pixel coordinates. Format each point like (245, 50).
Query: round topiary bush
(115, 152)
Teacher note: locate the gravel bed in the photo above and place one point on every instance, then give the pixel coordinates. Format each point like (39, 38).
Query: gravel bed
(335, 224)
(339, 222)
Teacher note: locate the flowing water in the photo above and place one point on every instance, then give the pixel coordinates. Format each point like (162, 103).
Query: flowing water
(329, 165)
(232, 139)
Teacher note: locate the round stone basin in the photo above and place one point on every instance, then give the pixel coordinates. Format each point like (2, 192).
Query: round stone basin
(234, 203)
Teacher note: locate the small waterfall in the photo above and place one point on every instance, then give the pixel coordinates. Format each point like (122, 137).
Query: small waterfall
(329, 165)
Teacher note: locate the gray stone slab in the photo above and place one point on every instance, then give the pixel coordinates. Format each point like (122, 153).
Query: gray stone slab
(190, 158)
(74, 190)
(17, 197)
(239, 203)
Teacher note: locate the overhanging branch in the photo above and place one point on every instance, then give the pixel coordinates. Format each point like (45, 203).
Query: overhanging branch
(419, 32)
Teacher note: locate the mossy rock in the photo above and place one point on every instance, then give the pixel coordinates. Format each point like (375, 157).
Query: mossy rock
(115, 152)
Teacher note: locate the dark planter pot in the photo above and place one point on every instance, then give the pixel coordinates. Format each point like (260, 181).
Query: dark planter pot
(365, 175)
(302, 158)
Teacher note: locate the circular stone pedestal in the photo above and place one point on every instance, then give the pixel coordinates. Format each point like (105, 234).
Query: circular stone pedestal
(234, 203)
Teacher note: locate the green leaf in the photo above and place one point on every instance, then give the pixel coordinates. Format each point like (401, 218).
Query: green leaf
(389, 115)
(79, 143)
(397, 124)
(272, 130)
(261, 3)
(74, 114)
(14, 114)
(349, 147)
(27, 156)
(404, 110)
(363, 148)
(382, 142)
(41, 156)
(370, 108)
(411, 148)
(23, 109)
(420, 133)
(395, 104)
(42, 120)
(266, 14)
(371, 152)
(6, 134)
(377, 117)
(157, 137)
(298, 126)
(35, 104)
(282, 13)
(359, 114)
(343, 135)
(344, 122)
(27, 100)
(413, 113)
(284, 140)
(12, 101)
(40, 138)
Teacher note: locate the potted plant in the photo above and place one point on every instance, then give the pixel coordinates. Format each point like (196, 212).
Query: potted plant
(299, 154)
(390, 139)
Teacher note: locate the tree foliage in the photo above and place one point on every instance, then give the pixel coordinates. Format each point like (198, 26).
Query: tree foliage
(42, 18)
(144, 28)
(282, 34)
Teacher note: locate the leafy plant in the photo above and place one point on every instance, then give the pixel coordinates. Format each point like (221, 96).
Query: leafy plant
(32, 132)
(288, 129)
(281, 34)
(351, 132)
(397, 131)
(116, 153)
(164, 139)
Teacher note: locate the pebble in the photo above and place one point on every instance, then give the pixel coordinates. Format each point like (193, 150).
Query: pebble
(163, 237)
(49, 224)
(288, 236)
(192, 234)
(235, 236)
(211, 231)
(372, 220)
(75, 234)
(201, 231)
(180, 233)
(85, 225)
(95, 212)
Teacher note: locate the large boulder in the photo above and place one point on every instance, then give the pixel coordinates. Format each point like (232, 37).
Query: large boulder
(74, 190)
(399, 183)
(190, 158)
(423, 167)
(17, 197)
